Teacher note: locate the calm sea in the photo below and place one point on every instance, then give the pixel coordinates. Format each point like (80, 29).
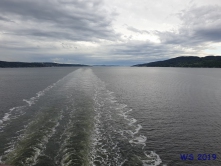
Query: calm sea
(110, 116)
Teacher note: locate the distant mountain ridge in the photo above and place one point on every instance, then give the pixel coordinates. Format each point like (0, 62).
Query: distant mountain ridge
(186, 61)
(4, 64)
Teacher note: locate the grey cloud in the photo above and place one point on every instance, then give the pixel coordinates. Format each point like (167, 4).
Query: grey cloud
(146, 51)
(212, 34)
(5, 19)
(76, 20)
(200, 25)
(83, 19)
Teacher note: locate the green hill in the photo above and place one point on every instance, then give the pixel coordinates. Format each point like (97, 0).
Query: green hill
(189, 61)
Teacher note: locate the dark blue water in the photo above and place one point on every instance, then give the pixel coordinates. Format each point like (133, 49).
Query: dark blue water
(110, 116)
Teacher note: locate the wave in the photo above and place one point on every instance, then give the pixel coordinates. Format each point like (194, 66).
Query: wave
(31, 144)
(116, 133)
(18, 111)
(87, 124)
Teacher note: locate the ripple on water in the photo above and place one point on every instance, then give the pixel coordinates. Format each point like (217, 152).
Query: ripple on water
(117, 136)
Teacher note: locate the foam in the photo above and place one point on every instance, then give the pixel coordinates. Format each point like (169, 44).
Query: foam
(107, 108)
(29, 102)
(124, 114)
(12, 109)
(32, 100)
(15, 112)
(121, 106)
(39, 94)
(139, 140)
(6, 117)
(103, 144)
(132, 121)
(153, 159)
(137, 129)
(39, 147)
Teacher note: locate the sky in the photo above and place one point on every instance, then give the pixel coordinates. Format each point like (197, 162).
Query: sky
(108, 32)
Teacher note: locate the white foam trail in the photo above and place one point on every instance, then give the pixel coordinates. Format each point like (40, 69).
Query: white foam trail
(15, 112)
(32, 100)
(139, 140)
(41, 146)
(105, 100)
(109, 128)
(137, 129)
(12, 109)
(5, 118)
(132, 121)
(9, 115)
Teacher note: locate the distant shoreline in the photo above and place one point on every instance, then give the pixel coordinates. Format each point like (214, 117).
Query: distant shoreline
(4, 64)
(189, 61)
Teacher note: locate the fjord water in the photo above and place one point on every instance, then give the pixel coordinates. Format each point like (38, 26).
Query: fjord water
(109, 116)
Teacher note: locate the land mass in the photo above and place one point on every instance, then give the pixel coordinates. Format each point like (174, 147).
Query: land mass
(186, 61)
(4, 64)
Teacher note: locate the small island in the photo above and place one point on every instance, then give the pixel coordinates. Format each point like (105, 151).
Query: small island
(4, 64)
(186, 61)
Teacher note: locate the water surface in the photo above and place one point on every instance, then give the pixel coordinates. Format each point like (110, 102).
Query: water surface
(109, 116)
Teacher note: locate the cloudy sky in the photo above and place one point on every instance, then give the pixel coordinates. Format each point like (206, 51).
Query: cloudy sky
(111, 32)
